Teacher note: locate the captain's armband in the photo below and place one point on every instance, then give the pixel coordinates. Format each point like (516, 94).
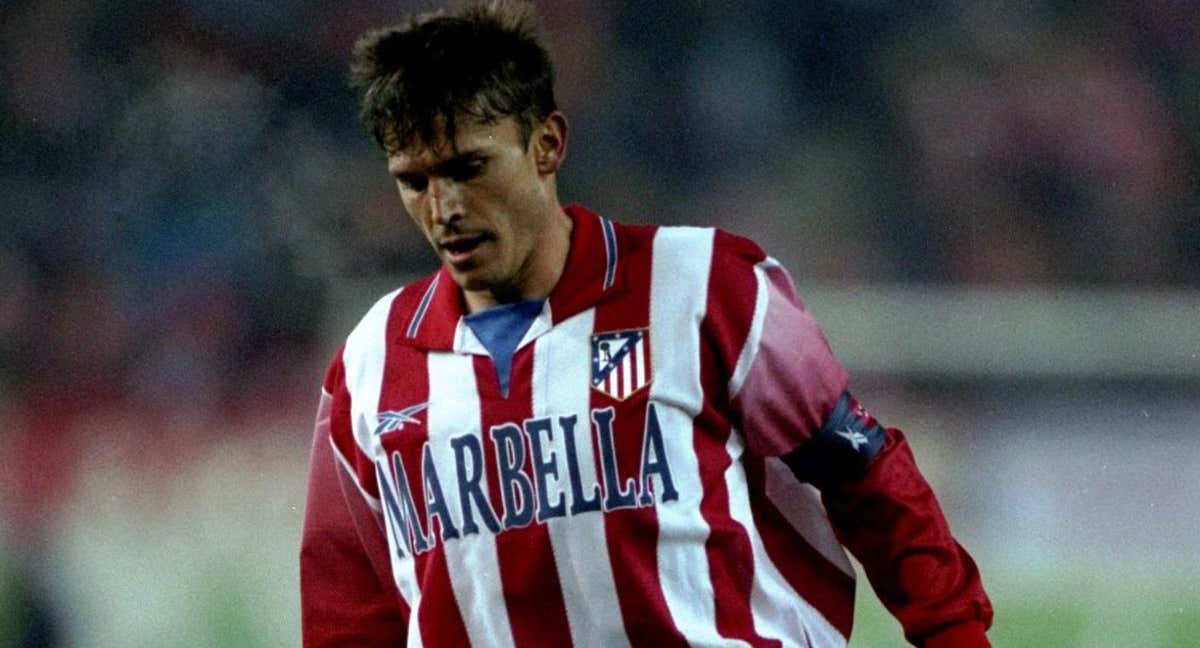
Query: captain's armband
(843, 447)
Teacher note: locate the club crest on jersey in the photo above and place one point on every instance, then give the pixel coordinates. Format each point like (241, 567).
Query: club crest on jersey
(621, 362)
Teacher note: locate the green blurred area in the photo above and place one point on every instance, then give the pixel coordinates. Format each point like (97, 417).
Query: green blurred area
(1083, 539)
(1067, 612)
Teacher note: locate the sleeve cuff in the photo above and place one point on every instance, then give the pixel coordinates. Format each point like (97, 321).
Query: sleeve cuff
(963, 635)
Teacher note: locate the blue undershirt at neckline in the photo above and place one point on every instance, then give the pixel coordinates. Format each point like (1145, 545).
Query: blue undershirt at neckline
(500, 329)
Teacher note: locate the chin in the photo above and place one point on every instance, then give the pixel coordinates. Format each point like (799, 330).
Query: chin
(471, 279)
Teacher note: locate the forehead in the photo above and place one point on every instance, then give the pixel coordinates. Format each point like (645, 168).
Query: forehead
(470, 137)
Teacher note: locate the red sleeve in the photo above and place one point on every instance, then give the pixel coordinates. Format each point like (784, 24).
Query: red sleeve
(782, 377)
(785, 385)
(891, 521)
(346, 596)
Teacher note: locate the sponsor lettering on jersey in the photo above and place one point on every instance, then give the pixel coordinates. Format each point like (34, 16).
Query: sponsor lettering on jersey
(524, 477)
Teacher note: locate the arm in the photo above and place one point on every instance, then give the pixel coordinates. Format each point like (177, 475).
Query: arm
(345, 592)
(789, 397)
(885, 513)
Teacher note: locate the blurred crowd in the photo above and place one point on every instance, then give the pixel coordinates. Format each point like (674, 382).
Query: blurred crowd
(185, 186)
(185, 191)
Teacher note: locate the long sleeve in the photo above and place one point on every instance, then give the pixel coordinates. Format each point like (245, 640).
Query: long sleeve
(891, 521)
(790, 398)
(345, 594)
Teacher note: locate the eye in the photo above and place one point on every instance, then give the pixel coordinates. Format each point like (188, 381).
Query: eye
(465, 170)
(412, 181)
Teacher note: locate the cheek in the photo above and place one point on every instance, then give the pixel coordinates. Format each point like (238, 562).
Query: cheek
(418, 214)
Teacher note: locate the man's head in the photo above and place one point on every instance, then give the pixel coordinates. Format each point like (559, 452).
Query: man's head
(463, 105)
(483, 62)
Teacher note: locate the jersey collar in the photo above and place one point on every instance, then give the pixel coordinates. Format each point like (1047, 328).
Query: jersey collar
(431, 310)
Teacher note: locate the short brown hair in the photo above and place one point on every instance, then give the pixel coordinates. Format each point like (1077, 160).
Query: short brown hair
(484, 61)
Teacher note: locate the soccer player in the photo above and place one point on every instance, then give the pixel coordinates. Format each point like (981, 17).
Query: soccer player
(579, 432)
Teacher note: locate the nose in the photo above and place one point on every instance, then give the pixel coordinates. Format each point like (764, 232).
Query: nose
(445, 201)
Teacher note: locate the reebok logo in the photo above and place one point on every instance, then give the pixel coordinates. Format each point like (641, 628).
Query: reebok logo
(393, 420)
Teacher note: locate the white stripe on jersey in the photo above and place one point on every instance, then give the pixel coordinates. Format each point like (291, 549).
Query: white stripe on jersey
(363, 360)
(778, 610)
(800, 504)
(561, 374)
(472, 560)
(415, 325)
(627, 374)
(640, 350)
(678, 298)
(371, 500)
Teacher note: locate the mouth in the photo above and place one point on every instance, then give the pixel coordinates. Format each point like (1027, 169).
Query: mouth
(460, 248)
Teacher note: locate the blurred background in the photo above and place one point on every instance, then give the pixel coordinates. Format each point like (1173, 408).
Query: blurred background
(993, 210)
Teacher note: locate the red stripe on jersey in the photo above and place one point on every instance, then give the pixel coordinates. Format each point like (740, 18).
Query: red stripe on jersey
(730, 308)
(487, 385)
(732, 292)
(633, 533)
(532, 593)
(582, 283)
(406, 307)
(405, 384)
(441, 621)
(335, 374)
(730, 559)
(826, 587)
(340, 431)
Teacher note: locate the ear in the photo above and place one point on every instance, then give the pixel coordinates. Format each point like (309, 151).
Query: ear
(549, 140)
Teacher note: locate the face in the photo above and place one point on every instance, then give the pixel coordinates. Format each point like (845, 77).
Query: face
(485, 205)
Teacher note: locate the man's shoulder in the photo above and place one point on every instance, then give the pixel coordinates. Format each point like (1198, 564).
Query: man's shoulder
(735, 248)
(403, 301)
(635, 237)
(393, 306)
(727, 247)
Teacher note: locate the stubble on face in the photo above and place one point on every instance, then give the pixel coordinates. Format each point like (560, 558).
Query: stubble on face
(489, 213)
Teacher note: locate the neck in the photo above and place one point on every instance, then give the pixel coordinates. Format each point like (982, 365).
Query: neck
(541, 271)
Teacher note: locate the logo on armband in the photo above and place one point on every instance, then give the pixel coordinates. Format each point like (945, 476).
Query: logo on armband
(855, 437)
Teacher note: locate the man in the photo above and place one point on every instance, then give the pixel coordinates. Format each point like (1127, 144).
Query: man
(577, 432)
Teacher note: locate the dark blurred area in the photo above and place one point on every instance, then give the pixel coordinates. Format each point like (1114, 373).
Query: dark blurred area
(186, 193)
(185, 183)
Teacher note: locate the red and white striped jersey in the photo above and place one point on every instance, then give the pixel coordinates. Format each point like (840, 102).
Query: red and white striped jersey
(626, 490)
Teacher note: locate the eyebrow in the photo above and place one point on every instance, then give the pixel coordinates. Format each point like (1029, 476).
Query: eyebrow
(443, 166)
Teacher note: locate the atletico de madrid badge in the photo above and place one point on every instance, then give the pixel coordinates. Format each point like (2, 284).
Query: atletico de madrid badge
(621, 362)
